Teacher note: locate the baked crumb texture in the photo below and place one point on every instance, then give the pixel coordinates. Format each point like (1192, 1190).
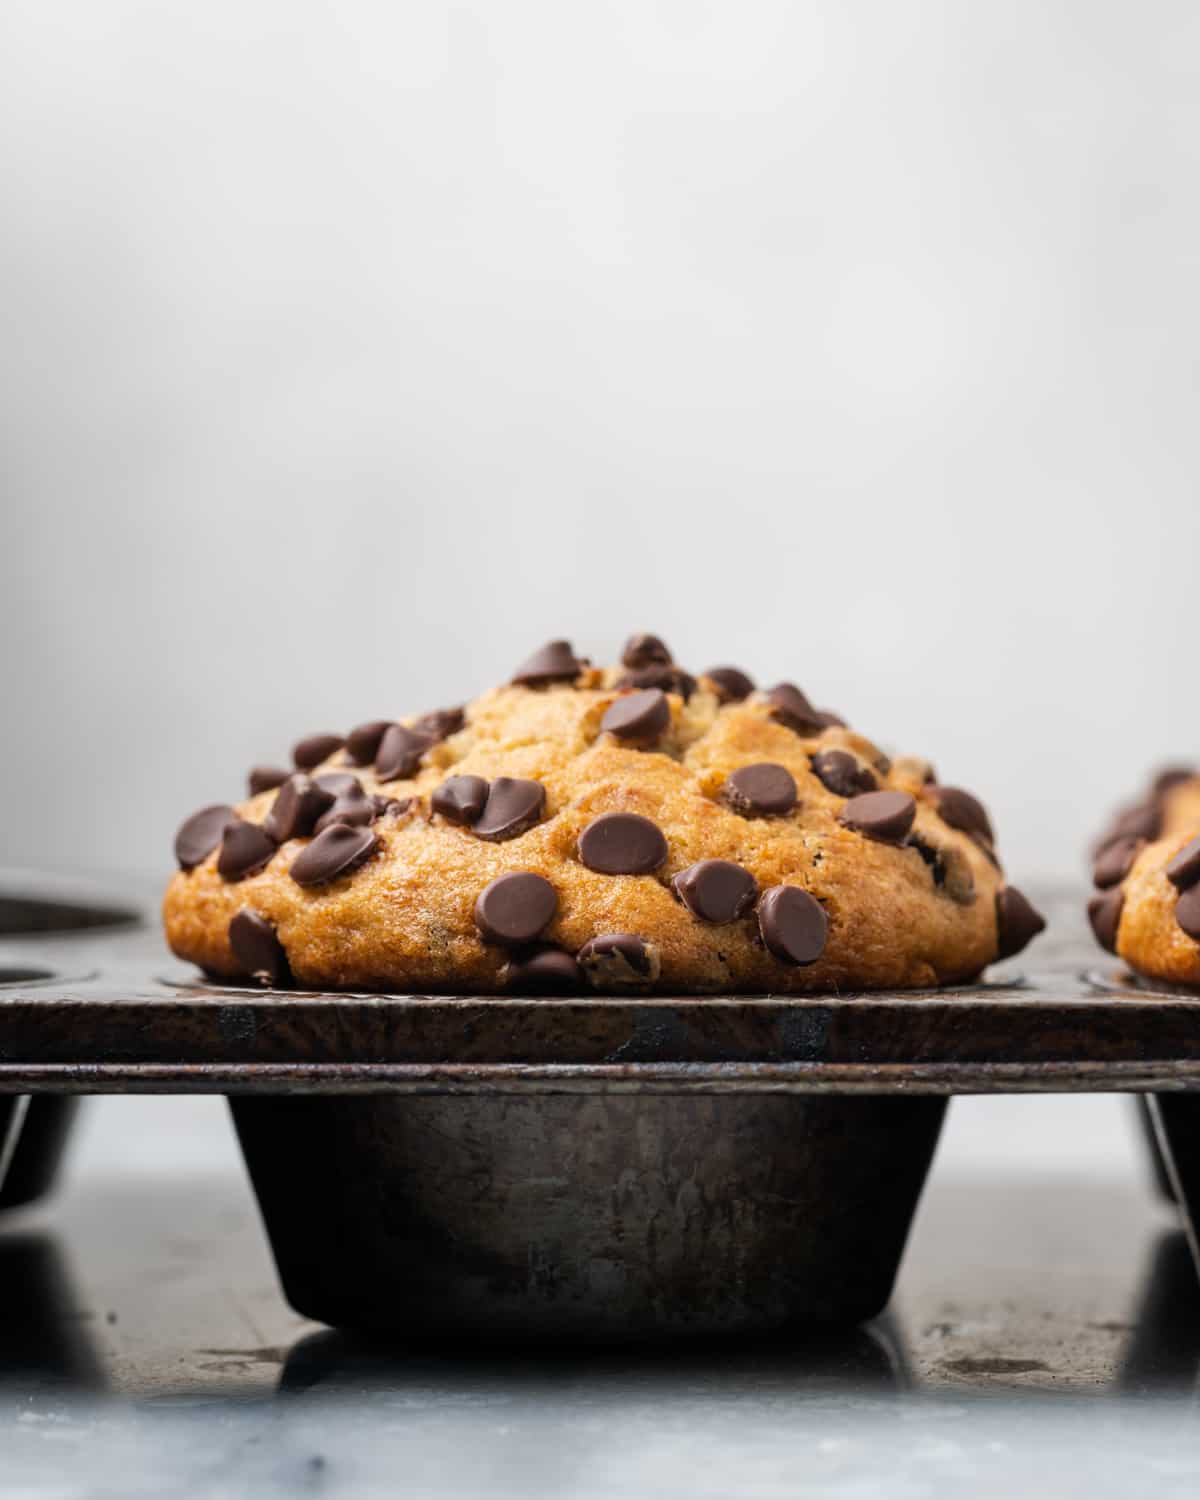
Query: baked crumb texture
(1146, 869)
(612, 830)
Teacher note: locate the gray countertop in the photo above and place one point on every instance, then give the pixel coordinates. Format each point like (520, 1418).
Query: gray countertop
(1044, 1336)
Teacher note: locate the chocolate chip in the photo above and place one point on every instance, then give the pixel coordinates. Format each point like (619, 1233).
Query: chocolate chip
(716, 890)
(961, 810)
(793, 924)
(555, 662)
(840, 773)
(761, 790)
(622, 844)
(245, 849)
(1184, 869)
(828, 720)
(638, 716)
(362, 744)
(669, 679)
(298, 804)
(317, 747)
(400, 752)
(789, 706)
(513, 806)
(731, 683)
(339, 783)
(515, 908)
(1017, 922)
(620, 960)
(1115, 861)
(546, 971)
(351, 806)
(441, 723)
(1172, 776)
(390, 807)
(886, 816)
(336, 851)
(1143, 820)
(1104, 913)
(645, 651)
(460, 799)
(257, 948)
(266, 778)
(1187, 912)
(200, 834)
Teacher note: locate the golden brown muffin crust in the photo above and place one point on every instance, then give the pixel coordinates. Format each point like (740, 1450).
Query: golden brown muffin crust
(928, 907)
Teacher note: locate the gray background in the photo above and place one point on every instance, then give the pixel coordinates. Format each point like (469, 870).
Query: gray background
(349, 351)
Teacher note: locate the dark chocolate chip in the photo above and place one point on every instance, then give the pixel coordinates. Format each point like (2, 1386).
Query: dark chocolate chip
(961, 810)
(669, 679)
(645, 651)
(620, 960)
(1104, 913)
(513, 806)
(793, 924)
(731, 683)
(761, 790)
(622, 844)
(546, 971)
(840, 773)
(515, 908)
(441, 723)
(340, 783)
(390, 807)
(200, 834)
(555, 662)
(638, 716)
(1187, 912)
(1115, 861)
(257, 948)
(886, 816)
(460, 799)
(298, 804)
(1172, 776)
(1017, 922)
(716, 890)
(336, 851)
(245, 849)
(829, 720)
(1142, 820)
(791, 707)
(312, 751)
(266, 778)
(1184, 869)
(351, 806)
(362, 744)
(400, 752)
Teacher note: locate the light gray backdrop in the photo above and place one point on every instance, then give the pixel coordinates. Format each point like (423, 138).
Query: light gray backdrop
(349, 350)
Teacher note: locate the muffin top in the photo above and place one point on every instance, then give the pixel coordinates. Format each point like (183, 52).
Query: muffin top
(598, 829)
(1146, 871)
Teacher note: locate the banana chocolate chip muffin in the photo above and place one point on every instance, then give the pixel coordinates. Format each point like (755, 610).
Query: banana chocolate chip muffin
(1147, 875)
(630, 828)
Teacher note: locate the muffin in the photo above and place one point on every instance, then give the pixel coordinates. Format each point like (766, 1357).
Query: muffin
(598, 829)
(1146, 870)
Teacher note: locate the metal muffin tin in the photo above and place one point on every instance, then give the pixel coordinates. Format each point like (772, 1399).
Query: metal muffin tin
(610, 1168)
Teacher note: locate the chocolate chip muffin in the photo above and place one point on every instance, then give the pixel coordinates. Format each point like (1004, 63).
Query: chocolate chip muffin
(1147, 875)
(631, 828)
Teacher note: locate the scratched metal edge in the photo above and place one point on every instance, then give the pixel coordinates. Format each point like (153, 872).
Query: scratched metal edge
(661, 1078)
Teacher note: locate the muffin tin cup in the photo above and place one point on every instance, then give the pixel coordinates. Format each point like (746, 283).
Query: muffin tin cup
(598, 1216)
(605, 1168)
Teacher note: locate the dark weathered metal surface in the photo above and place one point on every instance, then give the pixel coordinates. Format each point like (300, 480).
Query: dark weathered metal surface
(591, 1217)
(122, 1029)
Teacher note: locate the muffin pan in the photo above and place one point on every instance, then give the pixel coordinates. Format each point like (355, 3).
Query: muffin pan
(596, 1167)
